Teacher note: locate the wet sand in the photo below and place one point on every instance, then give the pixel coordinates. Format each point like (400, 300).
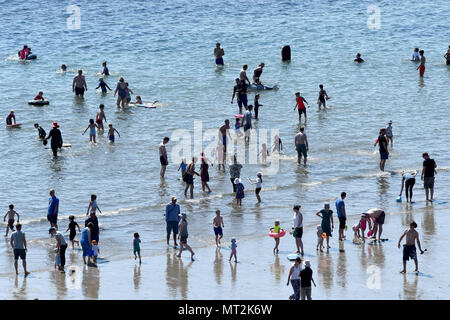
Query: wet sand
(259, 274)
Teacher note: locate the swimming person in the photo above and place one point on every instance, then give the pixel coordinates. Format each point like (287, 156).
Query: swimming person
(327, 225)
(19, 245)
(447, 56)
(63, 68)
(421, 67)
(408, 180)
(100, 117)
(11, 214)
(217, 227)
(189, 177)
(383, 143)
(121, 89)
(218, 54)
(257, 182)
(79, 84)
(39, 96)
(41, 131)
(102, 84)
(300, 105)
(323, 96)
(172, 217)
(409, 249)
(257, 73)
(415, 55)
(358, 58)
(92, 132)
(105, 71)
(183, 235)
(301, 144)
(53, 208)
(111, 131)
(163, 156)
(428, 172)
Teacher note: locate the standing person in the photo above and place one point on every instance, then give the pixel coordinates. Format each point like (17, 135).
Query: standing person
(327, 216)
(41, 131)
(305, 281)
(105, 71)
(257, 105)
(163, 156)
(298, 228)
(257, 73)
(100, 117)
(421, 67)
(85, 242)
(301, 144)
(323, 96)
(91, 126)
(276, 228)
(248, 123)
(93, 207)
(224, 131)
(204, 175)
(53, 208)
(408, 180)
(233, 247)
(102, 84)
(243, 74)
(383, 143)
(73, 232)
(218, 54)
(61, 246)
(217, 226)
(137, 247)
(11, 213)
(277, 144)
(342, 215)
(19, 245)
(95, 231)
(79, 84)
(121, 89)
(129, 93)
(257, 182)
(300, 105)
(378, 215)
(409, 249)
(183, 235)
(239, 191)
(56, 136)
(111, 131)
(237, 89)
(235, 171)
(415, 55)
(389, 134)
(95, 251)
(428, 172)
(172, 220)
(447, 56)
(294, 278)
(189, 177)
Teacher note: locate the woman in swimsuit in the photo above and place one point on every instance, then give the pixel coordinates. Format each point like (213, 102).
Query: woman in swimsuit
(204, 175)
(322, 95)
(189, 177)
(121, 88)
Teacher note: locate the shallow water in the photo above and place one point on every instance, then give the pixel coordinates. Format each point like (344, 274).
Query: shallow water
(164, 50)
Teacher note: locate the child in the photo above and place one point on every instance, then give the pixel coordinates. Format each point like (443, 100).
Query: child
(219, 153)
(182, 166)
(63, 68)
(42, 133)
(258, 183)
(357, 236)
(389, 134)
(111, 133)
(264, 153)
(93, 205)
(39, 96)
(237, 127)
(100, 117)
(276, 229)
(217, 226)
(10, 213)
(239, 191)
(363, 225)
(257, 105)
(138, 100)
(102, 84)
(95, 250)
(319, 238)
(92, 127)
(73, 231)
(277, 144)
(57, 259)
(322, 96)
(415, 55)
(300, 105)
(137, 247)
(129, 93)
(233, 249)
(105, 69)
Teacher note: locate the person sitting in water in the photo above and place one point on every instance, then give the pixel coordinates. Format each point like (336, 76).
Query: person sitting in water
(358, 58)
(63, 68)
(41, 131)
(257, 73)
(23, 53)
(39, 96)
(10, 117)
(447, 57)
(102, 84)
(415, 55)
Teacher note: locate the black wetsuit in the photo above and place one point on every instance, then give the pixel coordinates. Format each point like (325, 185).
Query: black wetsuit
(57, 141)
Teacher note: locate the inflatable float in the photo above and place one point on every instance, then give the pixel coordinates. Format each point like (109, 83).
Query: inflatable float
(31, 57)
(280, 234)
(261, 87)
(38, 102)
(14, 125)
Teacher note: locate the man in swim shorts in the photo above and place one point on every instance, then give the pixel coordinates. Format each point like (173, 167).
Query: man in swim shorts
(225, 132)
(383, 145)
(218, 54)
(300, 105)
(172, 220)
(301, 144)
(163, 156)
(378, 215)
(237, 92)
(409, 249)
(218, 225)
(19, 245)
(421, 67)
(79, 84)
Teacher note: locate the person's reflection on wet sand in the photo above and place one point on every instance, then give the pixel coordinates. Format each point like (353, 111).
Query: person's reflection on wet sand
(341, 268)
(137, 277)
(20, 293)
(59, 280)
(233, 269)
(428, 222)
(218, 266)
(407, 216)
(172, 271)
(325, 269)
(410, 291)
(277, 269)
(183, 278)
(91, 282)
(383, 187)
(376, 254)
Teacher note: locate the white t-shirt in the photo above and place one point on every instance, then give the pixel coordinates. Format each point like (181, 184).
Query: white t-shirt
(297, 220)
(61, 237)
(408, 176)
(242, 75)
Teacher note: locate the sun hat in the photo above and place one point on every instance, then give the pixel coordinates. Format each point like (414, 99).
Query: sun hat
(182, 215)
(55, 124)
(307, 263)
(390, 121)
